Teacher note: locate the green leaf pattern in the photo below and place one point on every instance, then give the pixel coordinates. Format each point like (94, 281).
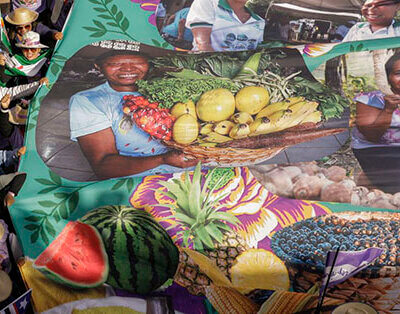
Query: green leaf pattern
(41, 222)
(109, 20)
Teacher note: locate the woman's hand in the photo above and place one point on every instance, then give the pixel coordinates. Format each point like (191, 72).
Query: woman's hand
(45, 81)
(179, 159)
(2, 60)
(58, 36)
(100, 150)
(21, 151)
(392, 102)
(5, 101)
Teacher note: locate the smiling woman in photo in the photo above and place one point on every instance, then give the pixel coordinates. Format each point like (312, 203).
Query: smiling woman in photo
(95, 121)
(376, 139)
(380, 23)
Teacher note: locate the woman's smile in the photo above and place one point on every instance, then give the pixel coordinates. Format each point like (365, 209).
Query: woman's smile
(122, 71)
(379, 12)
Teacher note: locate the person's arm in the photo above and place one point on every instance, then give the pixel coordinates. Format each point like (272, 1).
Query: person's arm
(202, 37)
(24, 90)
(4, 78)
(171, 19)
(6, 128)
(13, 188)
(181, 28)
(46, 32)
(373, 122)
(100, 150)
(200, 20)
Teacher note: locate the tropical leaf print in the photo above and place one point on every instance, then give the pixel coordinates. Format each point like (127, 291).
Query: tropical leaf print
(260, 212)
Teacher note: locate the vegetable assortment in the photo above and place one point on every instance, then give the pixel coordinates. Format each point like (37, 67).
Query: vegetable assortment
(169, 91)
(187, 77)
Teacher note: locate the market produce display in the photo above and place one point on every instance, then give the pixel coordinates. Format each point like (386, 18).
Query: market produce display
(246, 101)
(142, 256)
(76, 258)
(308, 181)
(304, 245)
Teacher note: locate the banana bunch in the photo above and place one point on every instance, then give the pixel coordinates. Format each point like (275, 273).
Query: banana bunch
(274, 117)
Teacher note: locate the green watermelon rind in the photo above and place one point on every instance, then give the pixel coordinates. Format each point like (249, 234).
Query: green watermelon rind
(64, 281)
(130, 270)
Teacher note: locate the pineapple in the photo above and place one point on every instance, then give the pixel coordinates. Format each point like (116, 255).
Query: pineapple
(259, 269)
(202, 225)
(224, 255)
(190, 276)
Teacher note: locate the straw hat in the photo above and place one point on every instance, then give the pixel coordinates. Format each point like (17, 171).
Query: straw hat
(30, 40)
(21, 16)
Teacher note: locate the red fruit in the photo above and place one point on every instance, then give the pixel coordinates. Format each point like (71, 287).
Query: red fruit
(147, 116)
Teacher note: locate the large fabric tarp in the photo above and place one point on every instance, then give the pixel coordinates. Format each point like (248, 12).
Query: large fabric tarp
(276, 227)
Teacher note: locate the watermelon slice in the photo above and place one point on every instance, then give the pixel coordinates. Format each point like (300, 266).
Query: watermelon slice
(76, 258)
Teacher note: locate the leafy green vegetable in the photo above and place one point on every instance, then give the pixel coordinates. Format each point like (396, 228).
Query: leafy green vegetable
(250, 67)
(188, 61)
(168, 91)
(220, 65)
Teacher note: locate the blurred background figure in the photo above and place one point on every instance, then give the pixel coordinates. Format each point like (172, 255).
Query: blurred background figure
(224, 25)
(380, 23)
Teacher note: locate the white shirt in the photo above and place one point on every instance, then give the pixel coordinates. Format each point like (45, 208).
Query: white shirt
(228, 33)
(362, 31)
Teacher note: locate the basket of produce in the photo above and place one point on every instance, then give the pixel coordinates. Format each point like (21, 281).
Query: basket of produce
(227, 111)
(304, 245)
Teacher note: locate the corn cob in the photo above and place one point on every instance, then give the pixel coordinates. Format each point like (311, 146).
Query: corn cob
(229, 301)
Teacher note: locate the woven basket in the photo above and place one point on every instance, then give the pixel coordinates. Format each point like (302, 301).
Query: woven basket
(227, 157)
(377, 286)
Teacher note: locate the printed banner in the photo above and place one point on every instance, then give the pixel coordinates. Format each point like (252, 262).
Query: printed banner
(237, 161)
(143, 111)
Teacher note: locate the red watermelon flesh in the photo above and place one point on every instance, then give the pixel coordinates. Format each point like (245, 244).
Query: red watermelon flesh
(76, 258)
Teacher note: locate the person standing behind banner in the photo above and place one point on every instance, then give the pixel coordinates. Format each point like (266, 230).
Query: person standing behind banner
(33, 60)
(10, 136)
(175, 31)
(53, 13)
(96, 122)
(22, 20)
(224, 25)
(376, 139)
(380, 21)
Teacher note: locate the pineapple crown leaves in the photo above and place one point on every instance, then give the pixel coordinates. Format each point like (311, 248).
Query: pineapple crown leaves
(195, 209)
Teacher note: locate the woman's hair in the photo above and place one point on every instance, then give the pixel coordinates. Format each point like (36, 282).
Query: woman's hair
(100, 59)
(390, 63)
